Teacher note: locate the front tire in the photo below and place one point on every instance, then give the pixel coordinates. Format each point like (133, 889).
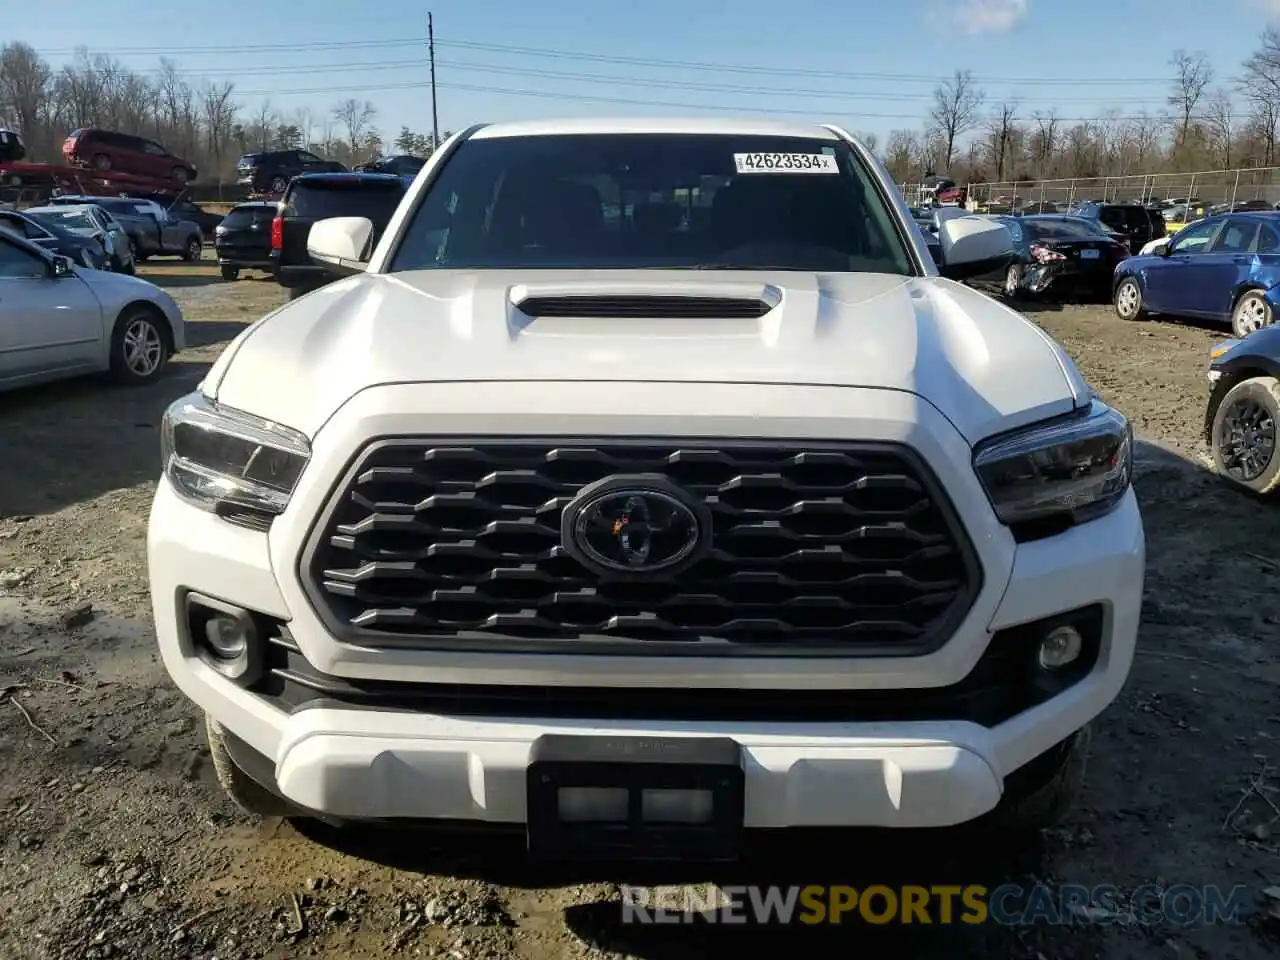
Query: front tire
(1013, 281)
(139, 347)
(192, 252)
(1243, 436)
(1250, 314)
(245, 792)
(230, 272)
(1128, 300)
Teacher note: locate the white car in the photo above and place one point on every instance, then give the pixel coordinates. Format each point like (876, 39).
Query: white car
(58, 320)
(1154, 246)
(647, 473)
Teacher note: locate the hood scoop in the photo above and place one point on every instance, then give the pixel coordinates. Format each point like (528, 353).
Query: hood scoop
(636, 307)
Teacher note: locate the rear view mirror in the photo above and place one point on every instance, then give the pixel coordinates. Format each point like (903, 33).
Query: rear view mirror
(341, 244)
(973, 246)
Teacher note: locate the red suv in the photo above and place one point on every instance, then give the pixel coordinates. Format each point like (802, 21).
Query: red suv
(107, 150)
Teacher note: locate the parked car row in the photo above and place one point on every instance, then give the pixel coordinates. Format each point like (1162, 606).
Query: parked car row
(60, 319)
(150, 228)
(272, 235)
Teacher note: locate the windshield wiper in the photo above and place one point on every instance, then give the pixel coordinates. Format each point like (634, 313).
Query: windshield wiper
(744, 266)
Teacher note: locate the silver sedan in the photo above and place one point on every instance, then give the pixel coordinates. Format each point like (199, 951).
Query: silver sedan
(58, 320)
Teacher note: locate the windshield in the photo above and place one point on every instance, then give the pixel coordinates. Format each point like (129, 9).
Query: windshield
(318, 199)
(696, 201)
(1065, 229)
(60, 221)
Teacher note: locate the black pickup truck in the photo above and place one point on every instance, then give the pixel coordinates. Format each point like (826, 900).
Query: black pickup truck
(318, 196)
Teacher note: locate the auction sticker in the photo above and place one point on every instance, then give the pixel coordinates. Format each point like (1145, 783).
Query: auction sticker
(785, 163)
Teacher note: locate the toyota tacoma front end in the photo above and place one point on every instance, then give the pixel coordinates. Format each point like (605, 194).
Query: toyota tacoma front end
(648, 484)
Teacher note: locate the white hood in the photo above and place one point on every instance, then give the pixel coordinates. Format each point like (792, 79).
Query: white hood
(984, 366)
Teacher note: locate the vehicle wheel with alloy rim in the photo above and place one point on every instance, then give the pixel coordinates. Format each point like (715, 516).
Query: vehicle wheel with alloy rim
(180, 175)
(1243, 437)
(1251, 313)
(192, 253)
(1128, 300)
(278, 184)
(101, 162)
(1012, 280)
(140, 346)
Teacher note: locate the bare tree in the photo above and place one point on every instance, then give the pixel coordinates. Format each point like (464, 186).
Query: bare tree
(1260, 84)
(305, 120)
(1144, 135)
(263, 121)
(218, 112)
(901, 153)
(24, 82)
(1044, 140)
(356, 116)
(1192, 76)
(955, 111)
(1220, 121)
(868, 139)
(1001, 130)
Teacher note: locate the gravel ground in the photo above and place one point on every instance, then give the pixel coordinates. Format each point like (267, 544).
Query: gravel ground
(115, 841)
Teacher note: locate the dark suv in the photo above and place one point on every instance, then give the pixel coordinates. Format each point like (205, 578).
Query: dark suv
(271, 172)
(318, 196)
(242, 240)
(1139, 225)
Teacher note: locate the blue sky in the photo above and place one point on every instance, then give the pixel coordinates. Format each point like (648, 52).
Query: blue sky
(867, 65)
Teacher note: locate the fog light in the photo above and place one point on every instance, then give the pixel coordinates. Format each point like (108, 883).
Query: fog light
(1060, 647)
(227, 637)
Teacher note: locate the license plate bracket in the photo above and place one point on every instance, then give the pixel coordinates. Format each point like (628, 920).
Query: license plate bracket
(1090, 254)
(601, 797)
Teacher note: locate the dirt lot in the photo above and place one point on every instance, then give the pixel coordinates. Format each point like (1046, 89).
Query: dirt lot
(115, 842)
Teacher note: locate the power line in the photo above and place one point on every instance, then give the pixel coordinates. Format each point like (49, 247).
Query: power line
(753, 110)
(777, 71)
(596, 78)
(617, 59)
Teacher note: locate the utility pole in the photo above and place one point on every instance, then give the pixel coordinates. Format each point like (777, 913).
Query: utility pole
(431, 50)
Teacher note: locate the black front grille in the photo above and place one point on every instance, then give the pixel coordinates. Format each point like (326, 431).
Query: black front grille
(686, 308)
(815, 549)
(1005, 681)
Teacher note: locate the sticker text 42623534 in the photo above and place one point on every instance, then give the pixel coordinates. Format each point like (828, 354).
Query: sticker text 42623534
(785, 163)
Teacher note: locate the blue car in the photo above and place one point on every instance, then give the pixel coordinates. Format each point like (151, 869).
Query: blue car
(1240, 421)
(1224, 268)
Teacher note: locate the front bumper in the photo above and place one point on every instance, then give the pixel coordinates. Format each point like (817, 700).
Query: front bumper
(355, 762)
(1073, 278)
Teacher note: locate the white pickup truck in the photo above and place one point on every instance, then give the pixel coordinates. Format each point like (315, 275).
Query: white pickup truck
(648, 484)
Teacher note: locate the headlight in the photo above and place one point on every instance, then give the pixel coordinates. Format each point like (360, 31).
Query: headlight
(218, 458)
(1071, 469)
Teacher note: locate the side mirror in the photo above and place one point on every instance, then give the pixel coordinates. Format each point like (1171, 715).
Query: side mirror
(1164, 249)
(60, 267)
(341, 243)
(973, 246)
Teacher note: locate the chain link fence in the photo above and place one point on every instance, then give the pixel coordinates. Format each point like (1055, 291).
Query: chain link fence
(1203, 186)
